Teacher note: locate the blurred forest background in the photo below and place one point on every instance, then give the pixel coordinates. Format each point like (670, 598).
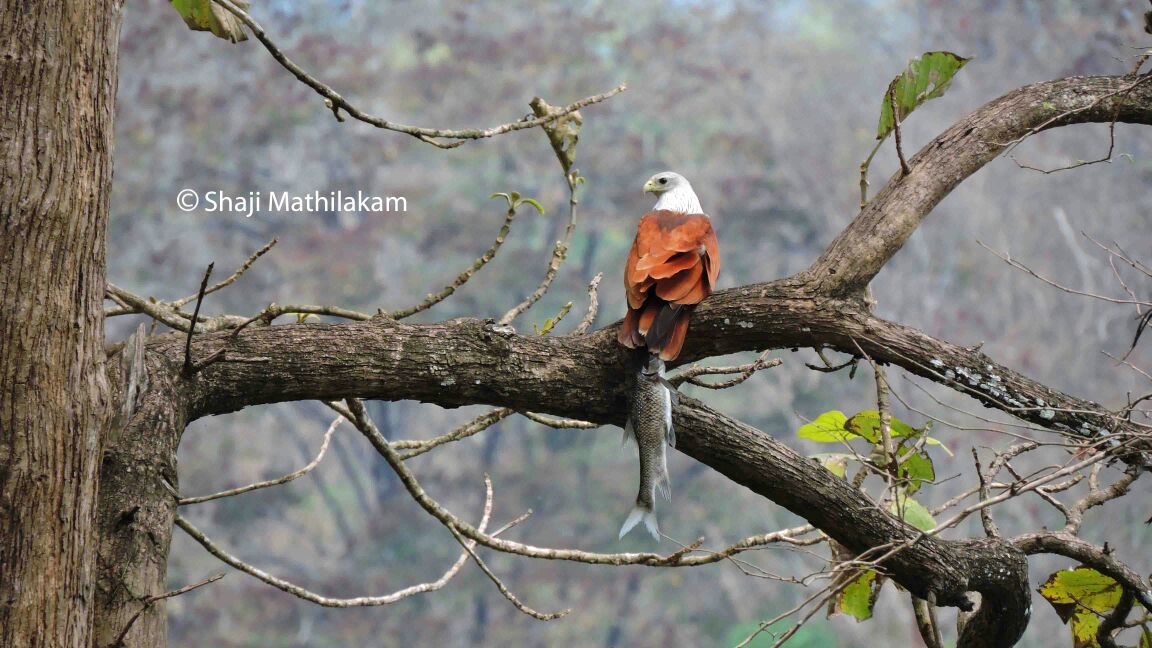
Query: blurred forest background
(768, 107)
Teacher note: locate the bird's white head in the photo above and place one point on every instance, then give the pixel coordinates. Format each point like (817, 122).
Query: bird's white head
(673, 192)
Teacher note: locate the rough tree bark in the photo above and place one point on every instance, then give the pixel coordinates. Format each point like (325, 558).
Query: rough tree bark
(58, 81)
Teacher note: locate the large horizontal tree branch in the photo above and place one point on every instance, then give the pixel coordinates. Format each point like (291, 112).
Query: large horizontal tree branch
(468, 361)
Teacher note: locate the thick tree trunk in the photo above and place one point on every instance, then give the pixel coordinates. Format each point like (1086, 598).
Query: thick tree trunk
(137, 503)
(58, 82)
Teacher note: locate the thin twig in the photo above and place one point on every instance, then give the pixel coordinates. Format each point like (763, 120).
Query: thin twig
(1007, 258)
(272, 482)
(1079, 163)
(560, 424)
(593, 306)
(189, 367)
(864, 174)
(516, 602)
(559, 252)
(232, 277)
(158, 311)
(435, 298)
(308, 595)
(882, 407)
(148, 601)
(990, 528)
(471, 428)
(126, 308)
(828, 367)
(896, 128)
(745, 372)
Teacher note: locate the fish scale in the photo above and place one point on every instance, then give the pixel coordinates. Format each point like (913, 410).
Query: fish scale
(650, 425)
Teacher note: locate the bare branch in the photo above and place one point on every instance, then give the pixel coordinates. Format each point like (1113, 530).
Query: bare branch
(469, 549)
(1095, 497)
(559, 253)
(160, 312)
(272, 482)
(471, 428)
(1076, 165)
(125, 308)
(1007, 258)
(461, 279)
(746, 371)
(896, 127)
(149, 600)
(593, 305)
(335, 102)
(990, 528)
(232, 277)
(326, 601)
(189, 366)
(560, 424)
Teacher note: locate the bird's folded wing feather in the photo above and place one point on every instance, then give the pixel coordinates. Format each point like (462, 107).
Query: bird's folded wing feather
(677, 253)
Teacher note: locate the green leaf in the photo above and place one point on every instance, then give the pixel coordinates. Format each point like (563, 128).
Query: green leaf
(912, 512)
(1079, 597)
(552, 321)
(827, 428)
(205, 15)
(532, 201)
(515, 200)
(925, 78)
(1145, 637)
(859, 597)
(916, 467)
(867, 425)
(936, 442)
(835, 462)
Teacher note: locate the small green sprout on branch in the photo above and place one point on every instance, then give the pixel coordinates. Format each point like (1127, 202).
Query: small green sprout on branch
(515, 200)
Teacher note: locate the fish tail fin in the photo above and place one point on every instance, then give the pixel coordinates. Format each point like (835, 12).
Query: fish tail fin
(635, 516)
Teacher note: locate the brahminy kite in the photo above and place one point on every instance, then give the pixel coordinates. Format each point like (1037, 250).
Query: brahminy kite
(671, 268)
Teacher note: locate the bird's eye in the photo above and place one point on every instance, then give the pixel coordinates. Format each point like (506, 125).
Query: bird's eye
(663, 180)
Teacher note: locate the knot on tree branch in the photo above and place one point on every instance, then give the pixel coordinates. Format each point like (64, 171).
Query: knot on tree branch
(999, 572)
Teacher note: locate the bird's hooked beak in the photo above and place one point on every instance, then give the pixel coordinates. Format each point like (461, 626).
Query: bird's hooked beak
(650, 187)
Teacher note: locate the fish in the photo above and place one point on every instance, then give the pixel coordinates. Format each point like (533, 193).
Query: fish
(650, 426)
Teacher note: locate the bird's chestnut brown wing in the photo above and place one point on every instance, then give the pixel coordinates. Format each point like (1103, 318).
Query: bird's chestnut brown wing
(674, 259)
